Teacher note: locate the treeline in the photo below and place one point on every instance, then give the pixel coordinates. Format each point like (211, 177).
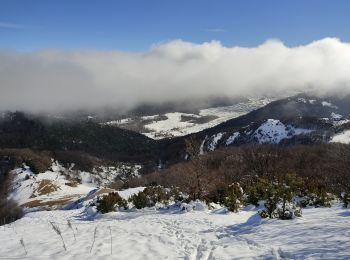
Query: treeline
(322, 169)
(19, 130)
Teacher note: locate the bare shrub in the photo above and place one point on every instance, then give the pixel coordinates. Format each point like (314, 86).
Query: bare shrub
(38, 161)
(323, 169)
(9, 211)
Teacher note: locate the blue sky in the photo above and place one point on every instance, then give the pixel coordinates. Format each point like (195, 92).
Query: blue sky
(135, 25)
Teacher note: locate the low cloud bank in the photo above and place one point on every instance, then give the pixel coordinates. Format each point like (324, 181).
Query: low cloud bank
(57, 80)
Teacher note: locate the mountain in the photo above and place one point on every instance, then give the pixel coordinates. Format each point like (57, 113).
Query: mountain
(19, 130)
(179, 123)
(167, 120)
(300, 119)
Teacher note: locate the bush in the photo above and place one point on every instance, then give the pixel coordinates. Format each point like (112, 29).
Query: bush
(9, 211)
(152, 195)
(109, 203)
(290, 187)
(318, 198)
(279, 197)
(156, 194)
(140, 200)
(234, 198)
(38, 161)
(175, 194)
(257, 190)
(217, 195)
(271, 201)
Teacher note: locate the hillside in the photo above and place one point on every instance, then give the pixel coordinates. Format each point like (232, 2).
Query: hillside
(295, 120)
(18, 130)
(300, 119)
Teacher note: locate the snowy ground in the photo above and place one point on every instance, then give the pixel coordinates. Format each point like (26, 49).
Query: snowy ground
(59, 186)
(343, 137)
(174, 126)
(150, 234)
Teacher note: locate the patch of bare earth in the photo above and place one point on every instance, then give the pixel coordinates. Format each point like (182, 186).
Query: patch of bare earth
(44, 187)
(57, 203)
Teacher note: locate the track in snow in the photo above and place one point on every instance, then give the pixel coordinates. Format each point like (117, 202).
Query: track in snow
(149, 234)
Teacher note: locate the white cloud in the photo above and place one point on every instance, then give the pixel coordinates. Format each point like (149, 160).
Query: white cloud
(176, 70)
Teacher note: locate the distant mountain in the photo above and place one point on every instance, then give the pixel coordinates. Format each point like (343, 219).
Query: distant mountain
(295, 120)
(19, 130)
(300, 119)
(175, 122)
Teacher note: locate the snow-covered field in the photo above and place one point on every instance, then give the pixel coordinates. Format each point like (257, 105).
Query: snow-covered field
(321, 233)
(174, 126)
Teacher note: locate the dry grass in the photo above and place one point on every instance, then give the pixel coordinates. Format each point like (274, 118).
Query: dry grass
(72, 183)
(46, 187)
(58, 203)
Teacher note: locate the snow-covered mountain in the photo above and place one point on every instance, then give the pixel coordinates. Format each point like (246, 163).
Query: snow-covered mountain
(294, 120)
(299, 119)
(62, 220)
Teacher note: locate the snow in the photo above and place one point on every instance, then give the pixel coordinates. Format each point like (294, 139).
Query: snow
(274, 131)
(172, 126)
(336, 116)
(340, 122)
(215, 139)
(85, 177)
(343, 137)
(119, 122)
(46, 187)
(105, 175)
(336, 119)
(149, 117)
(201, 148)
(126, 194)
(25, 191)
(322, 233)
(328, 104)
(232, 138)
(312, 101)
(302, 100)
(58, 187)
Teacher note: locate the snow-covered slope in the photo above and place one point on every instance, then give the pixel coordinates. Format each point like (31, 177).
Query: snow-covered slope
(180, 124)
(49, 189)
(274, 131)
(322, 233)
(343, 137)
(294, 120)
(175, 126)
(59, 186)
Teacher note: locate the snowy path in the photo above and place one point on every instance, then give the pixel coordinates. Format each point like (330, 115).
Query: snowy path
(321, 233)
